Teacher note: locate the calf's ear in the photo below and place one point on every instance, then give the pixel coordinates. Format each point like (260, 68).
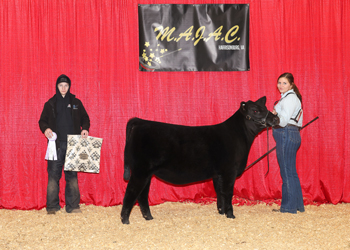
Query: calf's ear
(262, 101)
(243, 106)
(243, 109)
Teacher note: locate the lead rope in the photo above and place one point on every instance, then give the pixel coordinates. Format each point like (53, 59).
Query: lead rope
(268, 160)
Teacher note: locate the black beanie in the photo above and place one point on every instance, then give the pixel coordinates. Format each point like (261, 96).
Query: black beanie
(63, 78)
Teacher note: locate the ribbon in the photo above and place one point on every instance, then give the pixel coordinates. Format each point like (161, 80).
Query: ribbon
(51, 153)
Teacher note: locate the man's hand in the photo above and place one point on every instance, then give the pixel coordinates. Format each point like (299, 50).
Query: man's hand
(48, 133)
(84, 134)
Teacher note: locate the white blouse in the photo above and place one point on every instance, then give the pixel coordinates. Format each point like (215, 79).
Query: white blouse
(287, 108)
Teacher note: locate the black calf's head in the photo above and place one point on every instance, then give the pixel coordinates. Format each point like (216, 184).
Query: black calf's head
(258, 113)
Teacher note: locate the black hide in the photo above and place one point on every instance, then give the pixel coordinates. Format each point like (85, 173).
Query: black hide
(183, 154)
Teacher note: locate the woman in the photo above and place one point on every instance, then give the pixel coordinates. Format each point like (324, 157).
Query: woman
(287, 137)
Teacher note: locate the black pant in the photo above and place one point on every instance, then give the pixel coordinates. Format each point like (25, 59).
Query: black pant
(72, 193)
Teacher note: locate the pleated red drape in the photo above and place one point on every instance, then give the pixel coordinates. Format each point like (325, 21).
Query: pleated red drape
(95, 42)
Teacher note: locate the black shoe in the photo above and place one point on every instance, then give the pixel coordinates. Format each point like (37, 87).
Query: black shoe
(51, 212)
(276, 210)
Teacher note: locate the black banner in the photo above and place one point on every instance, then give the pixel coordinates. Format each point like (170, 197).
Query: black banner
(201, 37)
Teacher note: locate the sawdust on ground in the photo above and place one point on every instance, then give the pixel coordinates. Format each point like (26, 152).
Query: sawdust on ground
(178, 226)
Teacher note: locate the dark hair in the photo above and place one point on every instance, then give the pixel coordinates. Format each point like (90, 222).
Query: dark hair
(290, 79)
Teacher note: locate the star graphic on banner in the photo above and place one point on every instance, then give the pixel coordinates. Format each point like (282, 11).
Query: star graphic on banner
(150, 56)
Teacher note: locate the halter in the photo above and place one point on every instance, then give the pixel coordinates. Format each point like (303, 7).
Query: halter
(261, 122)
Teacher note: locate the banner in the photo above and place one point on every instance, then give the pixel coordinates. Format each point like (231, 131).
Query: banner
(201, 37)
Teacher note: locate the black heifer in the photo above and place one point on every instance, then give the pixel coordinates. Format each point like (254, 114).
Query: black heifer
(183, 154)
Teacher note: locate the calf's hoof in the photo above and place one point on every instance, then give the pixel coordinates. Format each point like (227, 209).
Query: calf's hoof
(230, 216)
(148, 217)
(125, 221)
(221, 211)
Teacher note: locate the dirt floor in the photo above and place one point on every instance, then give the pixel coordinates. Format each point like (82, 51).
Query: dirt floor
(178, 226)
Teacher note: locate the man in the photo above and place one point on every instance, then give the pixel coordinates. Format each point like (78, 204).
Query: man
(63, 114)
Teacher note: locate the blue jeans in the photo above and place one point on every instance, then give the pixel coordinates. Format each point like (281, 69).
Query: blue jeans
(287, 144)
(72, 194)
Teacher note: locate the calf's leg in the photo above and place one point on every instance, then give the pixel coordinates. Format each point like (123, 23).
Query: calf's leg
(217, 181)
(228, 194)
(143, 202)
(133, 190)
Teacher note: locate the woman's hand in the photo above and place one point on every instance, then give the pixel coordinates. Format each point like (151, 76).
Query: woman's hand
(84, 134)
(274, 112)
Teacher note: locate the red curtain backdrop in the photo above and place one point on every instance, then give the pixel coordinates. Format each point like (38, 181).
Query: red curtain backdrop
(95, 42)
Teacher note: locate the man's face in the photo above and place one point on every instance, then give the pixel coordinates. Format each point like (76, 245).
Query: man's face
(63, 88)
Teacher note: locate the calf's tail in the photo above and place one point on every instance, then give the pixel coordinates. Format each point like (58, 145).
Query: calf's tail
(126, 172)
(129, 128)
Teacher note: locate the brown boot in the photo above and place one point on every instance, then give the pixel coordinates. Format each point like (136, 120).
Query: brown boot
(76, 211)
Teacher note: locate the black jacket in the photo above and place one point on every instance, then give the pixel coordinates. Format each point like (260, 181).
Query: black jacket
(81, 120)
